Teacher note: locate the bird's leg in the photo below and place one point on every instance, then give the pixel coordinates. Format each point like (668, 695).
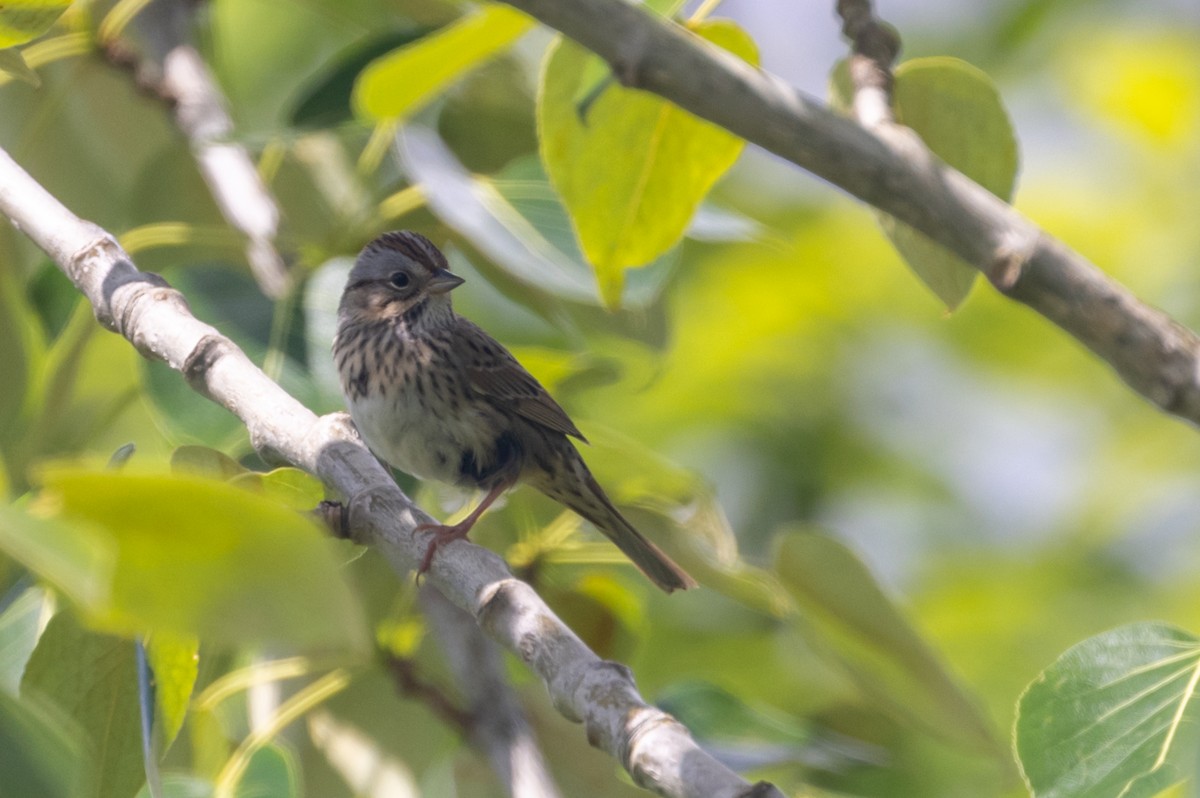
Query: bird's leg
(441, 534)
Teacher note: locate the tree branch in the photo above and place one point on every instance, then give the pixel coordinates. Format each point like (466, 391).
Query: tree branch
(889, 168)
(656, 750)
(497, 724)
(177, 73)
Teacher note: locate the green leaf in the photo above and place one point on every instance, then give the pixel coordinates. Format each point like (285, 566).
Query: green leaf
(201, 557)
(713, 714)
(180, 785)
(39, 754)
(957, 110)
(91, 678)
(398, 84)
(21, 357)
(175, 663)
(1112, 716)
(184, 414)
(326, 101)
(271, 773)
(25, 20)
(74, 556)
(18, 635)
(206, 461)
(630, 168)
(289, 487)
(13, 63)
(889, 660)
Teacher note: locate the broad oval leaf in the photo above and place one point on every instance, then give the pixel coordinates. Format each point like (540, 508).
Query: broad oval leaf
(196, 556)
(957, 111)
(631, 168)
(1112, 716)
(25, 20)
(40, 754)
(841, 601)
(400, 83)
(91, 678)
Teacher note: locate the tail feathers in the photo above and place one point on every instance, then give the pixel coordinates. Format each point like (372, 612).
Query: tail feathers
(593, 504)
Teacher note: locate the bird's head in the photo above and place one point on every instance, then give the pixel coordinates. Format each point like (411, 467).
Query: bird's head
(400, 276)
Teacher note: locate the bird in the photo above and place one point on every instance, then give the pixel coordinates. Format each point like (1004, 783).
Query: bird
(435, 396)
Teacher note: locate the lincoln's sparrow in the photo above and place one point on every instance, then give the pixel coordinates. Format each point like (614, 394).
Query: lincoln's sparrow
(438, 398)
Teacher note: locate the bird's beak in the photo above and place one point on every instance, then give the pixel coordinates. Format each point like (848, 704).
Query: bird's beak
(443, 281)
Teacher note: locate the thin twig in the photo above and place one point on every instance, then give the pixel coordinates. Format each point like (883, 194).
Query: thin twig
(875, 47)
(178, 74)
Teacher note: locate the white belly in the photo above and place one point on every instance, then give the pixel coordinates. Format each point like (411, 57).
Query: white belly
(402, 433)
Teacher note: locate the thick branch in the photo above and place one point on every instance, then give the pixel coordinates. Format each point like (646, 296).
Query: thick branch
(656, 749)
(497, 724)
(891, 169)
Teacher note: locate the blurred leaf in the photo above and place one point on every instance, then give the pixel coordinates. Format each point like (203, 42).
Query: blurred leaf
(18, 635)
(74, 556)
(185, 414)
(13, 63)
(711, 713)
(400, 83)
(91, 677)
(629, 209)
(24, 20)
(202, 573)
(39, 756)
(271, 773)
(175, 663)
(122, 455)
(288, 487)
(326, 102)
(20, 357)
(1113, 716)
(205, 461)
(875, 642)
(178, 785)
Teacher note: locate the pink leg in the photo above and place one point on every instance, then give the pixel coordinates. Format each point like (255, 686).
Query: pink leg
(444, 533)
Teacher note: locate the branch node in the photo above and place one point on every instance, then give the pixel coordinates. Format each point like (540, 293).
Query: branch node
(207, 351)
(1009, 261)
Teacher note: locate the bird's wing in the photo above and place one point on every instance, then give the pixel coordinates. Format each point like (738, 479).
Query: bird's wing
(495, 373)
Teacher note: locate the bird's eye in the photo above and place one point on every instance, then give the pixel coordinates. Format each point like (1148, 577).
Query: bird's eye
(400, 279)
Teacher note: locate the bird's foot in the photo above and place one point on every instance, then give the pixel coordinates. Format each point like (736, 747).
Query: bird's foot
(440, 535)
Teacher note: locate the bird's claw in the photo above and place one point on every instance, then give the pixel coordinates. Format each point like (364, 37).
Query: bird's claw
(440, 535)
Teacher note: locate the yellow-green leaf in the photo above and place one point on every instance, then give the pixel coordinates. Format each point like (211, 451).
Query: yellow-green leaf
(175, 662)
(631, 168)
(25, 20)
(398, 84)
(200, 557)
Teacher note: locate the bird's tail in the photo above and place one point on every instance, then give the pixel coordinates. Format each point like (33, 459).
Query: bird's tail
(584, 495)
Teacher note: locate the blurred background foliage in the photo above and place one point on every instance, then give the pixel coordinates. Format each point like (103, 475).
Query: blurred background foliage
(779, 380)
